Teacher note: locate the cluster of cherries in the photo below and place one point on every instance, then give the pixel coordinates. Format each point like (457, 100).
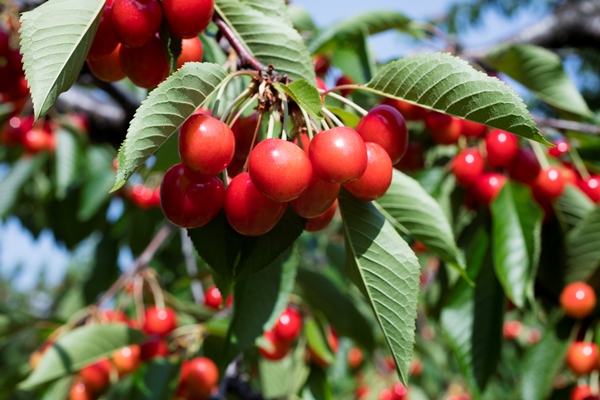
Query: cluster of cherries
(13, 85)
(127, 44)
(21, 131)
(144, 196)
(307, 174)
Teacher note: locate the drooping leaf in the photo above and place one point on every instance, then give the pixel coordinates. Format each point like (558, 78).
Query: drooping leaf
(100, 178)
(163, 112)
(12, 183)
(79, 348)
(573, 206)
(317, 386)
(541, 71)
(516, 240)
(267, 32)
(449, 85)
(285, 377)
(306, 95)
(68, 153)
(156, 380)
(59, 389)
(315, 336)
(582, 246)
(387, 269)
(211, 51)
(55, 39)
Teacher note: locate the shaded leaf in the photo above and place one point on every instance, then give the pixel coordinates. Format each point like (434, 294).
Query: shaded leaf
(59, 389)
(68, 153)
(95, 191)
(12, 183)
(573, 206)
(316, 341)
(355, 59)
(285, 377)
(582, 246)
(156, 380)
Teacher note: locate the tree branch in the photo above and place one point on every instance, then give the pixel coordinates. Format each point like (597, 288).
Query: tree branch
(246, 57)
(567, 125)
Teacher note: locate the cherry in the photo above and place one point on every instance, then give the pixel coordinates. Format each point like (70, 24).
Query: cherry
(344, 80)
(578, 300)
(4, 43)
(316, 199)
(376, 179)
(141, 195)
(80, 392)
(96, 376)
(213, 298)
(338, 155)
(279, 169)
(248, 211)
(501, 148)
(467, 167)
(488, 186)
(190, 200)
(127, 359)
(591, 187)
(113, 316)
(562, 148)
(569, 175)
(399, 391)
(135, 22)
(549, 184)
(472, 129)
(35, 140)
(512, 329)
(362, 392)
(416, 367)
(279, 348)
(191, 51)
(525, 167)
(582, 357)
(154, 348)
(444, 129)
(202, 375)
(159, 321)
(14, 131)
(385, 126)
(187, 18)
(146, 66)
(321, 84)
(582, 392)
(105, 40)
(355, 357)
(386, 394)
(413, 159)
(108, 69)
(409, 111)
(321, 222)
(243, 130)
(321, 64)
(206, 145)
(288, 325)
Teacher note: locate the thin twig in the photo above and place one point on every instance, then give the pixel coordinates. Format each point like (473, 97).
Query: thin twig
(187, 248)
(246, 58)
(568, 125)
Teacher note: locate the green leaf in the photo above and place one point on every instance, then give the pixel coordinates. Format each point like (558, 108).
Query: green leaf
(12, 183)
(156, 380)
(582, 246)
(78, 348)
(573, 206)
(264, 28)
(355, 59)
(516, 240)
(211, 51)
(389, 272)
(412, 210)
(68, 153)
(55, 39)
(450, 85)
(301, 19)
(316, 340)
(306, 95)
(541, 71)
(285, 377)
(164, 111)
(317, 386)
(100, 178)
(59, 389)
(348, 118)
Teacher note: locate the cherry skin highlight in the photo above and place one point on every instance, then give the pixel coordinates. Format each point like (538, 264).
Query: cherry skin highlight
(488, 186)
(316, 199)
(288, 326)
(213, 298)
(159, 321)
(321, 222)
(444, 129)
(135, 22)
(187, 18)
(80, 392)
(385, 126)
(377, 177)
(467, 167)
(578, 300)
(591, 187)
(549, 184)
(202, 375)
(127, 359)
(525, 167)
(146, 66)
(338, 155)
(191, 51)
(582, 358)
(501, 148)
(562, 148)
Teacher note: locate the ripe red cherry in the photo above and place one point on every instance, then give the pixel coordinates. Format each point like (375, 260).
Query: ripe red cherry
(96, 376)
(279, 348)
(206, 145)
(135, 22)
(187, 18)
(562, 148)
(316, 199)
(550, 183)
(14, 131)
(512, 329)
(155, 347)
(525, 167)
(127, 359)
(321, 84)
(488, 186)
(501, 147)
(376, 179)
(243, 130)
(321, 222)
(582, 358)
(80, 392)
(344, 80)
(582, 392)
(202, 375)
(146, 66)
(159, 321)
(321, 64)
(338, 155)
(385, 126)
(399, 391)
(409, 111)
(105, 40)
(355, 357)
(472, 129)
(248, 211)
(191, 50)
(591, 187)
(288, 325)
(108, 69)
(444, 129)
(35, 140)
(190, 200)
(467, 167)
(279, 169)
(213, 298)
(578, 300)
(413, 160)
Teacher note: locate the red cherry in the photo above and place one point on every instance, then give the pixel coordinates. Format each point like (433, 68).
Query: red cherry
(414, 158)
(159, 321)
(321, 84)
(376, 179)
(591, 187)
(416, 367)
(213, 298)
(187, 18)
(154, 348)
(155, 199)
(127, 359)
(399, 391)
(467, 167)
(146, 66)
(80, 392)
(279, 348)
(105, 40)
(562, 148)
(288, 325)
(191, 51)
(512, 329)
(362, 392)
(386, 394)
(243, 130)
(549, 184)
(578, 300)
(201, 377)
(321, 64)
(141, 195)
(14, 131)
(582, 392)
(4, 43)
(344, 80)
(206, 145)
(501, 147)
(35, 140)
(525, 167)
(316, 199)
(472, 129)
(355, 357)
(114, 316)
(279, 169)
(409, 111)
(582, 358)
(135, 22)
(444, 129)
(488, 186)
(248, 211)
(96, 376)
(385, 126)
(569, 174)
(190, 200)
(338, 155)
(108, 69)
(321, 222)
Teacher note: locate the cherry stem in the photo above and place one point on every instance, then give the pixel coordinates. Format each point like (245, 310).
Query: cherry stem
(308, 124)
(285, 127)
(244, 108)
(187, 249)
(246, 57)
(159, 300)
(138, 298)
(342, 87)
(224, 177)
(594, 382)
(258, 122)
(332, 116)
(324, 124)
(222, 87)
(350, 103)
(271, 126)
(540, 155)
(578, 162)
(566, 125)
(235, 103)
